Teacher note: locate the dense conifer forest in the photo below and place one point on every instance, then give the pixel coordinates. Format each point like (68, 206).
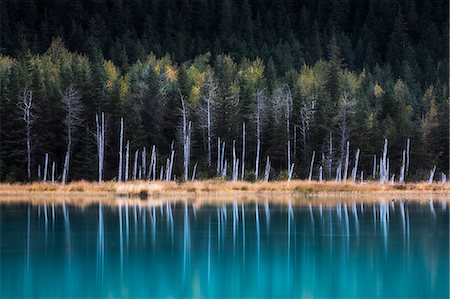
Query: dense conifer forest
(306, 85)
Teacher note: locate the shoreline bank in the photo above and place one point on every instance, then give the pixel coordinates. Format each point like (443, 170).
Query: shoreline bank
(152, 189)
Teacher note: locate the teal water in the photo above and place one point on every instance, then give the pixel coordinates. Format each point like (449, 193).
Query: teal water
(350, 250)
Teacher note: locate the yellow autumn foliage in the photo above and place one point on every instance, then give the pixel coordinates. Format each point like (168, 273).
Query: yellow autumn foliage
(112, 74)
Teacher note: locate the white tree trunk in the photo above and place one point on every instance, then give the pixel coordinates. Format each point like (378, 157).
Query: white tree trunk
(144, 162)
(267, 170)
(320, 174)
(193, 172)
(401, 178)
(135, 168)
(172, 155)
(26, 107)
(311, 166)
(185, 141)
(408, 144)
(100, 144)
(330, 154)
(430, 179)
(66, 168)
(258, 148)
(295, 144)
(45, 167)
(119, 177)
(127, 160)
(355, 168)
(219, 160)
(161, 173)
(347, 156)
(243, 152)
(339, 172)
(374, 169)
(222, 156)
(291, 171)
(234, 170)
(209, 130)
(289, 156)
(53, 172)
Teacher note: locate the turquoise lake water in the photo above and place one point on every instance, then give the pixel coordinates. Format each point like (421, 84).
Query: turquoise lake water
(175, 250)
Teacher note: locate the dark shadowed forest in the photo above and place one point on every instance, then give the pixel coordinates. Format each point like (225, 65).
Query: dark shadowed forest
(310, 89)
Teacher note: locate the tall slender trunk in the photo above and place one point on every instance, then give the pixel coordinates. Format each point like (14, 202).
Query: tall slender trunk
(194, 171)
(135, 168)
(234, 173)
(119, 177)
(29, 151)
(311, 166)
(53, 172)
(45, 167)
(127, 160)
(243, 151)
(430, 179)
(320, 174)
(258, 148)
(267, 170)
(295, 144)
(408, 144)
(355, 168)
(144, 162)
(330, 154)
(289, 156)
(258, 135)
(209, 130)
(100, 144)
(374, 169)
(402, 168)
(219, 161)
(346, 160)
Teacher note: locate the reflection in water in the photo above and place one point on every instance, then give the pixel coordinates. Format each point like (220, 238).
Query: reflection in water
(313, 250)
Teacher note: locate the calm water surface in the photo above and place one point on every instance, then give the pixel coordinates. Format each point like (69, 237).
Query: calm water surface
(350, 250)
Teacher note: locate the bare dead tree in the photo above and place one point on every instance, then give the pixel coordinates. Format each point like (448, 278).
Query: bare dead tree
(119, 177)
(186, 131)
(259, 116)
(100, 137)
(346, 110)
(207, 109)
(53, 172)
(355, 168)
(45, 167)
(27, 113)
(127, 160)
(432, 171)
(244, 133)
(307, 113)
(311, 166)
(267, 170)
(73, 108)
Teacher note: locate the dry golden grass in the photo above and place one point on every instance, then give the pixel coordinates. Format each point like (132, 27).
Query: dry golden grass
(145, 188)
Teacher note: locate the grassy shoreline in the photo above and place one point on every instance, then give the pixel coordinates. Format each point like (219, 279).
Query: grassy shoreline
(150, 188)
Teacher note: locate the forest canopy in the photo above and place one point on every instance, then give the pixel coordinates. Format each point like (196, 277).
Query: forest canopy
(307, 75)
